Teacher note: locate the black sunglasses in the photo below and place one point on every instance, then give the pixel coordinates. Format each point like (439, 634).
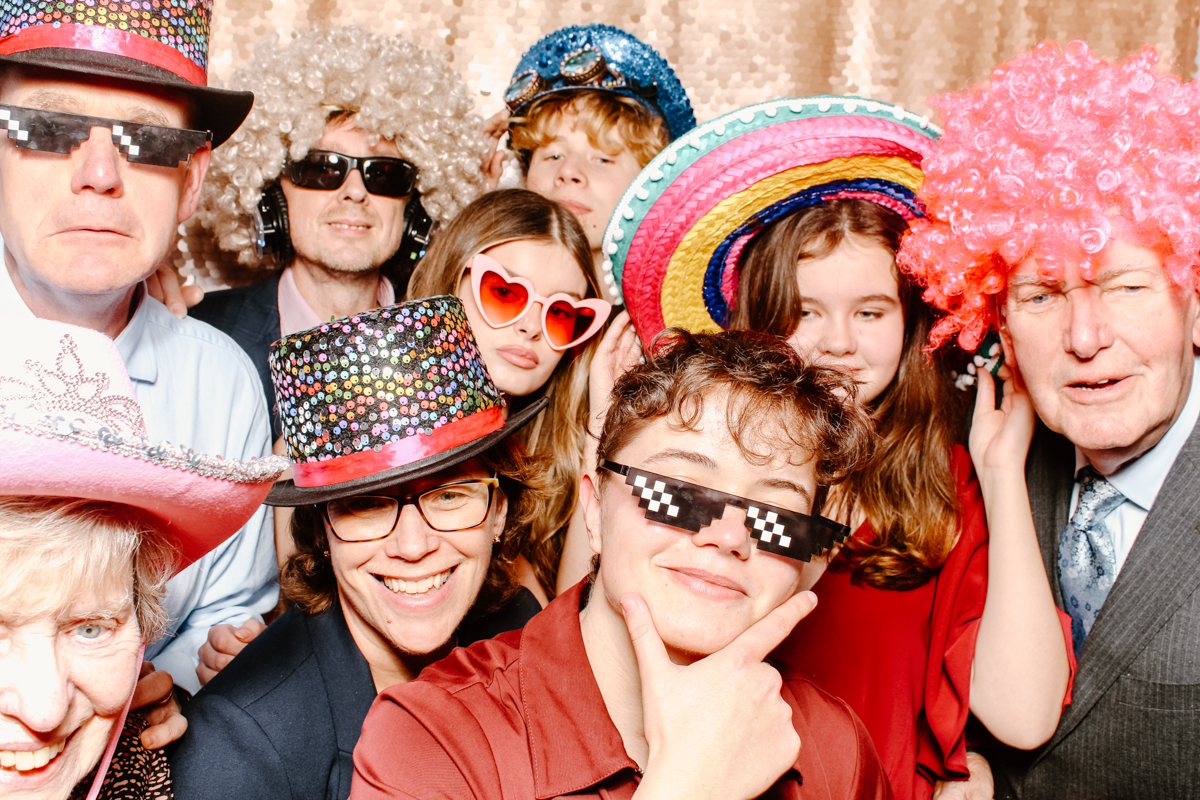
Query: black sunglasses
(60, 132)
(690, 507)
(327, 170)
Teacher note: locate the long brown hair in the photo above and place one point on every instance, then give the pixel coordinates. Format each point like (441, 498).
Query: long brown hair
(558, 432)
(307, 579)
(908, 491)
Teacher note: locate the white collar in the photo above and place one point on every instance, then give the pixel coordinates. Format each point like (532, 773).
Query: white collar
(1140, 479)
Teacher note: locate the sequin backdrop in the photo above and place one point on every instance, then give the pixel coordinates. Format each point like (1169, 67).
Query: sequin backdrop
(729, 53)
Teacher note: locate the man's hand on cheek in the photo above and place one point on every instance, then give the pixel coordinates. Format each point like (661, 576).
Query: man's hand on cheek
(718, 727)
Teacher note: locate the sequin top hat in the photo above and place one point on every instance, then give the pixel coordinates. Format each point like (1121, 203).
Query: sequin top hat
(158, 42)
(674, 240)
(604, 58)
(70, 426)
(382, 398)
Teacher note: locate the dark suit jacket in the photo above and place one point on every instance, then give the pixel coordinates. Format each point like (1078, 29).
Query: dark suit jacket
(281, 720)
(1133, 727)
(250, 316)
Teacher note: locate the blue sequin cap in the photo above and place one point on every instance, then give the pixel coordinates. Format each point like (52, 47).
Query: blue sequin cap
(604, 58)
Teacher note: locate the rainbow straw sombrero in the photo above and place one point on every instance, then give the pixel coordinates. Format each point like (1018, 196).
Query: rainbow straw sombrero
(674, 241)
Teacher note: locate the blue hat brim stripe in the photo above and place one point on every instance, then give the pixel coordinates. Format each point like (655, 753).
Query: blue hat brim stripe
(714, 299)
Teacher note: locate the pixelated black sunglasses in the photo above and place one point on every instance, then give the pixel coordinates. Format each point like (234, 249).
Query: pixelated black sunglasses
(690, 507)
(140, 143)
(326, 170)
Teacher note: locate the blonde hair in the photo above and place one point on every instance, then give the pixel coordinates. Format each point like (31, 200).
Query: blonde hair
(51, 548)
(558, 432)
(391, 87)
(612, 123)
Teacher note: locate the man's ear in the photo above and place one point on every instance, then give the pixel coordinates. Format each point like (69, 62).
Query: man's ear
(1196, 321)
(589, 499)
(196, 168)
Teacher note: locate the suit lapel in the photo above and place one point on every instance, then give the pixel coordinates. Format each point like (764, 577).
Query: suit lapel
(1050, 478)
(345, 673)
(1161, 572)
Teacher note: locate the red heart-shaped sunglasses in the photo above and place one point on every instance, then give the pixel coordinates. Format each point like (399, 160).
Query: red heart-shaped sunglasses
(503, 299)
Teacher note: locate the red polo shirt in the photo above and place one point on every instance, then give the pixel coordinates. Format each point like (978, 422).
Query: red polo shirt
(521, 716)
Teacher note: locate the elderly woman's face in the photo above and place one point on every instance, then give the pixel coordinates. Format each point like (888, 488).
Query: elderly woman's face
(64, 679)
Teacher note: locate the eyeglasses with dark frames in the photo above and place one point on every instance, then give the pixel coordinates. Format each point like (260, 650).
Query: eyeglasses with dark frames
(456, 506)
(60, 132)
(690, 507)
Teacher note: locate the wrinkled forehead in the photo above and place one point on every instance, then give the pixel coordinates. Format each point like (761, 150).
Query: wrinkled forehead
(1055, 265)
(94, 97)
(33, 589)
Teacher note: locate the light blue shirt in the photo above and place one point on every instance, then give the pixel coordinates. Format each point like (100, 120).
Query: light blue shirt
(1140, 479)
(196, 387)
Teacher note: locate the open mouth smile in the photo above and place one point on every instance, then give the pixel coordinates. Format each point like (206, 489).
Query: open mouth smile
(27, 760)
(422, 586)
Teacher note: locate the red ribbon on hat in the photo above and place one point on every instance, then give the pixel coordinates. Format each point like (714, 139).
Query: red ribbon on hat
(100, 39)
(398, 454)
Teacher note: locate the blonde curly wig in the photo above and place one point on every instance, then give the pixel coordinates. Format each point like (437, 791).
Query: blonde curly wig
(394, 89)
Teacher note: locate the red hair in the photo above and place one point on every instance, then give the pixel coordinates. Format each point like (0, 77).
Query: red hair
(1059, 154)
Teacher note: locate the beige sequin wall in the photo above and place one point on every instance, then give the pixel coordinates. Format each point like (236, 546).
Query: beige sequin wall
(732, 53)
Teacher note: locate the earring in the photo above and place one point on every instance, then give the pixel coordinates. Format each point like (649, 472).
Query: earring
(496, 539)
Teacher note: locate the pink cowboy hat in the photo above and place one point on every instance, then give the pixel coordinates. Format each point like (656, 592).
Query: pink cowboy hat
(71, 427)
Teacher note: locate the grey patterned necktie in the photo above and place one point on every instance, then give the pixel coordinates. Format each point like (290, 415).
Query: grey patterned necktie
(1087, 560)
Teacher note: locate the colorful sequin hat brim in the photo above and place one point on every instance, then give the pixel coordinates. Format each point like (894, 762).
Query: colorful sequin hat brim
(674, 240)
(286, 493)
(162, 43)
(630, 56)
(381, 397)
(70, 426)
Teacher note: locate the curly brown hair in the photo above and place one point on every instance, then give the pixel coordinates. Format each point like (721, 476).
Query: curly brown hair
(765, 381)
(308, 580)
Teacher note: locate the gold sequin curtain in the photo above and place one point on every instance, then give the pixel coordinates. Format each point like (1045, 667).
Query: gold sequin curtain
(730, 53)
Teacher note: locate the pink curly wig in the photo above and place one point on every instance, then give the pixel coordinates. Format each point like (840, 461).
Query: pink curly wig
(1058, 155)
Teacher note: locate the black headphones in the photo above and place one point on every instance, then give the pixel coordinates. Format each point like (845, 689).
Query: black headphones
(272, 235)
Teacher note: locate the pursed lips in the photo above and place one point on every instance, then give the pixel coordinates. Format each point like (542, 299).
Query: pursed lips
(578, 209)
(722, 581)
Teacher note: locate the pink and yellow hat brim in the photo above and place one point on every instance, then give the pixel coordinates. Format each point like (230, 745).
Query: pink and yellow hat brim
(674, 242)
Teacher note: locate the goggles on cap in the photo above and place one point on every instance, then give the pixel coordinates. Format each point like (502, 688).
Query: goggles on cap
(60, 132)
(578, 69)
(503, 299)
(690, 507)
(326, 170)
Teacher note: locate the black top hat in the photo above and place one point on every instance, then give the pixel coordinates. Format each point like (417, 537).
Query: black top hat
(382, 398)
(163, 43)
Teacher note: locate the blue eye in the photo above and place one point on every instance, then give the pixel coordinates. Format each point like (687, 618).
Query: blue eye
(89, 631)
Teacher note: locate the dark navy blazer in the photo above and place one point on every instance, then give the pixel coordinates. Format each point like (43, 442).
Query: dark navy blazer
(281, 720)
(250, 316)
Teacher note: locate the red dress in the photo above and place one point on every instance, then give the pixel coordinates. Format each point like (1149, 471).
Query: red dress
(902, 659)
